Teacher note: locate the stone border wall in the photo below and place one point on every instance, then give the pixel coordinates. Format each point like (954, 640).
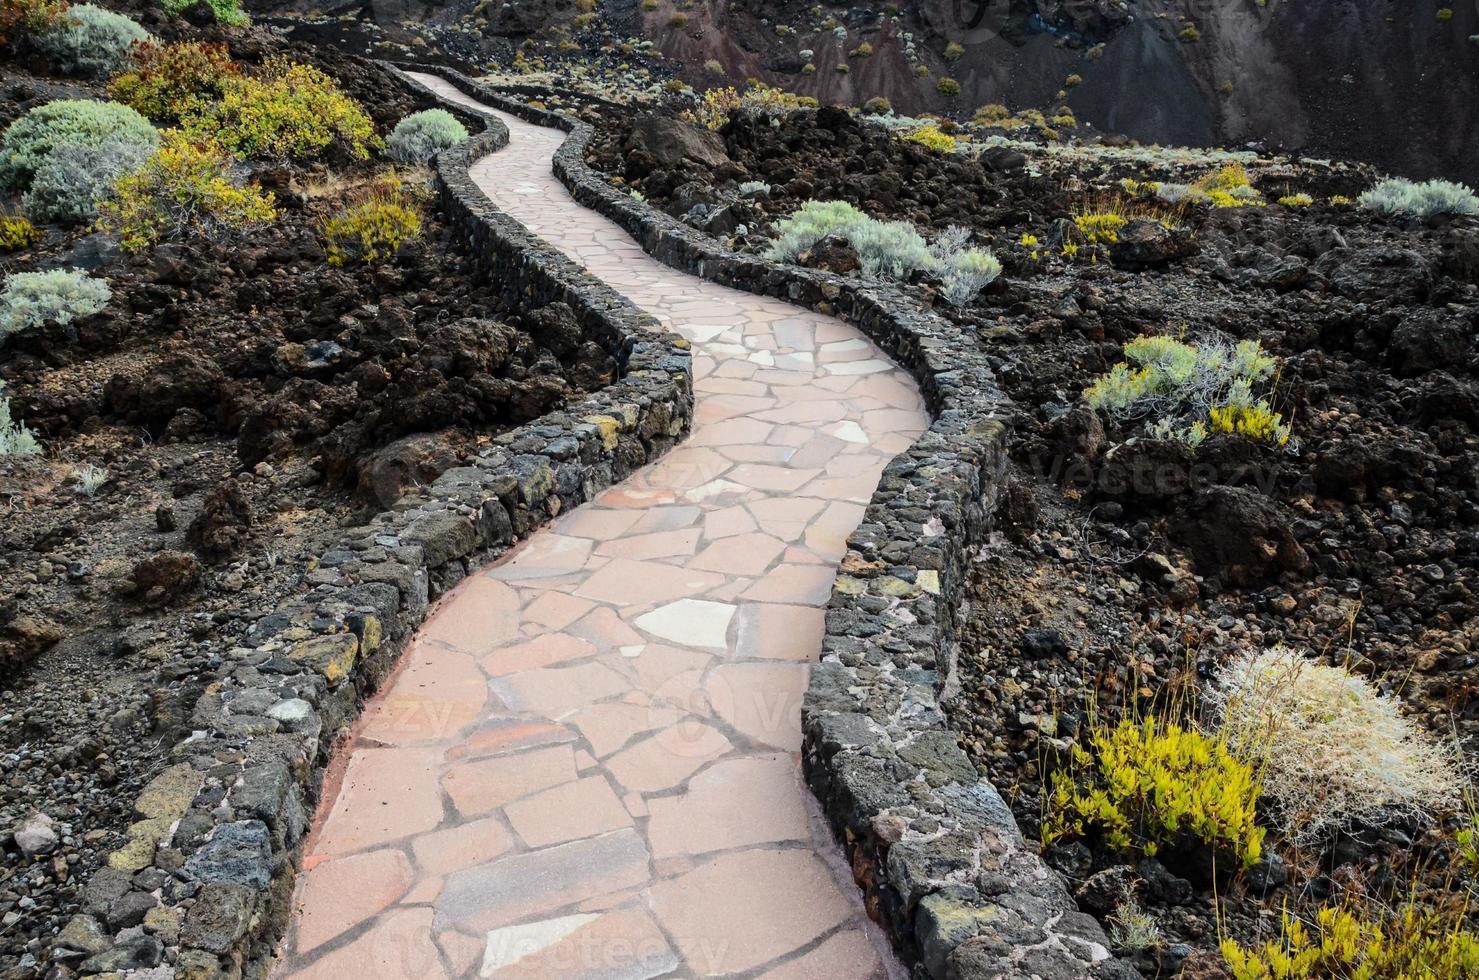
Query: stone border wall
(205, 880)
(937, 851)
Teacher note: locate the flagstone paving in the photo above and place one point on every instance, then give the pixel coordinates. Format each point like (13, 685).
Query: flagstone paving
(586, 765)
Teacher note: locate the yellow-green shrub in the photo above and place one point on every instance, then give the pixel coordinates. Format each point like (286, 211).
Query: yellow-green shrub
(1150, 785)
(931, 138)
(374, 229)
(171, 81)
(287, 111)
(1413, 943)
(16, 233)
(1100, 226)
(182, 191)
(948, 86)
(953, 51)
(1296, 200)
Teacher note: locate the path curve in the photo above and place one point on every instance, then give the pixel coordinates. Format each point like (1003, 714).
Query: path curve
(587, 763)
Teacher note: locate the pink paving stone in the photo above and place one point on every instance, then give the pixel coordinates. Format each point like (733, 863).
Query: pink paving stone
(399, 945)
(387, 794)
(584, 808)
(762, 700)
(475, 842)
(463, 953)
(728, 521)
(544, 556)
(478, 616)
(772, 631)
(659, 544)
(621, 944)
(847, 954)
(555, 692)
(478, 787)
(424, 892)
(607, 727)
(786, 517)
(542, 651)
(601, 525)
(499, 736)
(556, 610)
(670, 674)
(733, 432)
(625, 582)
(339, 894)
(667, 518)
(742, 554)
(809, 584)
(603, 628)
(733, 803)
(439, 693)
(664, 760)
(781, 479)
(741, 910)
(536, 883)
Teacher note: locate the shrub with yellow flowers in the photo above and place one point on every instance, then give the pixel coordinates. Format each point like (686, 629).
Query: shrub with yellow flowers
(287, 111)
(931, 138)
(373, 229)
(184, 190)
(1150, 785)
(1408, 943)
(169, 82)
(17, 232)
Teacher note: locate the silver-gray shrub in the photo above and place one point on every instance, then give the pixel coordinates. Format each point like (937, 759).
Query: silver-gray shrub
(422, 135)
(30, 299)
(1409, 199)
(15, 438)
(89, 40)
(76, 176)
(889, 249)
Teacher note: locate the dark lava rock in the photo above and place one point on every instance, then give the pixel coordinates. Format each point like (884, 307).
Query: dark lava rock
(1106, 890)
(1144, 244)
(831, 254)
(163, 576)
(1040, 644)
(1240, 535)
(658, 141)
(224, 520)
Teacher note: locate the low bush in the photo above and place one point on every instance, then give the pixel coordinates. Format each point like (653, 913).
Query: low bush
(877, 106)
(373, 229)
(1152, 785)
(931, 138)
(76, 176)
(60, 296)
(948, 87)
(1185, 391)
(17, 232)
(184, 190)
(1409, 199)
(1296, 200)
(90, 41)
(29, 140)
(15, 438)
(28, 17)
(1332, 750)
(287, 111)
(228, 12)
(422, 135)
(1408, 943)
(864, 50)
(168, 82)
(678, 21)
(953, 51)
(888, 249)
(714, 109)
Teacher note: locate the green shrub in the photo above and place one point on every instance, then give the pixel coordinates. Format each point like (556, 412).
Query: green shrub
(17, 232)
(374, 229)
(30, 139)
(422, 135)
(953, 51)
(864, 50)
(888, 249)
(228, 12)
(1407, 199)
(1407, 943)
(1186, 391)
(60, 296)
(183, 190)
(1153, 784)
(678, 21)
(931, 138)
(878, 106)
(76, 176)
(15, 438)
(288, 111)
(948, 87)
(90, 41)
(168, 82)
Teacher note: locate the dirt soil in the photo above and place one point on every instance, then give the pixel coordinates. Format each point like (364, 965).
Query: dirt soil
(1125, 569)
(243, 401)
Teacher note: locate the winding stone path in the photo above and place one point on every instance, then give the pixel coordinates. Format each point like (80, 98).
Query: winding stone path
(587, 764)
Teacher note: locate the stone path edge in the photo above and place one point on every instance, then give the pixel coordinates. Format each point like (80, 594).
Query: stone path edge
(204, 883)
(934, 847)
